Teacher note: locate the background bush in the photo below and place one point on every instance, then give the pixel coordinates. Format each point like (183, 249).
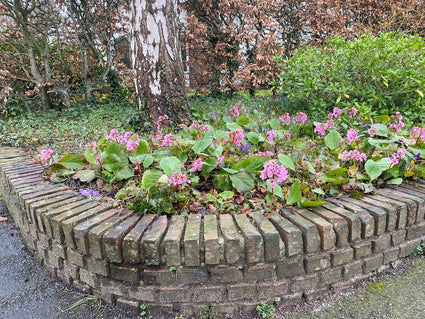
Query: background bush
(385, 74)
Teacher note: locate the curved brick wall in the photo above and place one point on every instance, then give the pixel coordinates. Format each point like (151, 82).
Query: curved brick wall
(229, 262)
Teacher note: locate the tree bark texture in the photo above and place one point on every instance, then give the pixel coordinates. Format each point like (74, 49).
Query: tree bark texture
(156, 59)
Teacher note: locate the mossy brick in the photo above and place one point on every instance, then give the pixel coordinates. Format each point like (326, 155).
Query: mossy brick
(88, 277)
(274, 247)
(352, 270)
(366, 220)
(381, 243)
(401, 207)
(225, 274)
(24, 172)
(147, 294)
(398, 237)
(317, 262)
(267, 291)
(391, 210)
(131, 242)
(211, 240)
(27, 199)
(42, 189)
(416, 231)
(112, 239)
(238, 292)
(379, 214)
(112, 287)
(258, 273)
(391, 255)
(74, 257)
(124, 273)
(291, 267)
(342, 256)
(57, 220)
(44, 241)
(69, 224)
(81, 230)
(417, 196)
(151, 241)
(95, 234)
(311, 236)
(192, 241)
(412, 206)
(44, 215)
(291, 234)
(231, 239)
(373, 263)
(172, 295)
(326, 231)
(158, 277)
(408, 247)
(362, 250)
(98, 266)
(254, 245)
(209, 294)
(54, 260)
(23, 182)
(190, 276)
(330, 276)
(172, 242)
(305, 283)
(339, 224)
(59, 250)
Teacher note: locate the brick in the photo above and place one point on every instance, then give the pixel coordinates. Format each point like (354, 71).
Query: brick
(125, 273)
(326, 231)
(112, 238)
(291, 235)
(274, 248)
(209, 294)
(98, 266)
(112, 287)
(330, 276)
(389, 208)
(131, 242)
(147, 294)
(410, 201)
(381, 243)
(305, 284)
(415, 231)
(172, 242)
(254, 245)
(59, 250)
(258, 273)
(69, 224)
(267, 291)
(170, 295)
(95, 234)
(311, 237)
(401, 208)
(88, 277)
(408, 247)
(339, 224)
(229, 231)
(342, 256)
(290, 268)
(352, 270)
(318, 262)
(81, 231)
(362, 250)
(241, 291)
(150, 242)
(54, 260)
(398, 237)
(192, 275)
(158, 276)
(373, 263)
(367, 222)
(76, 258)
(211, 245)
(44, 241)
(192, 241)
(391, 255)
(418, 195)
(128, 304)
(225, 274)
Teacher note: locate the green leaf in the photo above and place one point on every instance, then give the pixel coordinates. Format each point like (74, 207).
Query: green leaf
(242, 181)
(421, 94)
(125, 173)
(253, 138)
(143, 147)
(150, 178)
(73, 161)
(277, 190)
(382, 130)
(319, 191)
(113, 148)
(310, 203)
(209, 165)
(243, 120)
(226, 194)
(85, 175)
(342, 171)
(253, 163)
(295, 193)
(60, 169)
(202, 145)
(300, 143)
(233, 126)
(395, 181)
(111, 162)
(89, 158)
(229, 170)
(170, 165)
(375, 169)
(274, 123)
(148, 160)
(332, 140)
(286, 161)
(222, 182)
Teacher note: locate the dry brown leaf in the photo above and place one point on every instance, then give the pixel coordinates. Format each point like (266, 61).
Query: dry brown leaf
(3, 219)
(211, 208)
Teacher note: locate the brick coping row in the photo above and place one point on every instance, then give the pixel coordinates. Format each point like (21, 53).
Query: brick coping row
(230, 262)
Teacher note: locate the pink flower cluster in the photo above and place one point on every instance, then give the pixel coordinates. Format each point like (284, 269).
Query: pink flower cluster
(197, 165)
(131, 145)
(417, 133)
(46, 154)
(178, 178)
(372, 131)
(351, 112)
(265, 154)
(398, 125)
(237, 108)
(335, 114)
(395, 156)
(286, 119)
(354, 155)
(162, 121)
(272, 170)
(322, 127)
(352, 135)
(271, 135)
(300, 118)
(220, 160)
(237, 136)
(200, 128)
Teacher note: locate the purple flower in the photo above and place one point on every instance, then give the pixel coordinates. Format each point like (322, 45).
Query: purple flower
(417, 156)
(89, 192)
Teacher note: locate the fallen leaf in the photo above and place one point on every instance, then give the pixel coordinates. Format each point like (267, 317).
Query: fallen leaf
(2, 219)
(211, 208)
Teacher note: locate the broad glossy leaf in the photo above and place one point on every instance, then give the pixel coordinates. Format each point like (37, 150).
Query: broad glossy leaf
(332, 140)
(170, 164)
(125, 173)
(310, 203)
(73, 161)
(150, 178)
(113, 148)
(286, 161)
(143, 147)
(295, 193)
(111, 162)
(242, 181)
(253, 163)
(202, 145)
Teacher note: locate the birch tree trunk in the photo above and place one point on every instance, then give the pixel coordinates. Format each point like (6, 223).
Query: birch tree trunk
(156, 59)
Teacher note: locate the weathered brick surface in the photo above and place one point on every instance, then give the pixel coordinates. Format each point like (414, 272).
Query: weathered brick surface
(362, 250)
(98, 266)
(274, 248)
(291, 235)
(147, 294)
(125, 273)
(170, 295)
(210, 294)
(266, 291)
(76, 258)
(381, 243)
(225, 274)
(211, 244)
(290, 268)
(192, 275)
(391, 255)
(317, 262)
(373, 263)
(416, 231)
(342, 256)
(398, 237)
(418, 195)
(412, 205)
(258, 273)
(305, 283)
(407, 248)
(88, 277)
(390, 209)
(241, 291)
(254, 246)
(330, 276)
(353, 269)
(159, 276)
(151, 240)
(311, 237)
(339, 224)
(401, 207)
(192, 241)
(231, 238)
(172, 243)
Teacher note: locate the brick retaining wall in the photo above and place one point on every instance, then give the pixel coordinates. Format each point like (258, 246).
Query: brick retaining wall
(229, 262)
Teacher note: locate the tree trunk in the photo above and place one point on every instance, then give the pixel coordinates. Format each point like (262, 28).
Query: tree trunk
(156, 59)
